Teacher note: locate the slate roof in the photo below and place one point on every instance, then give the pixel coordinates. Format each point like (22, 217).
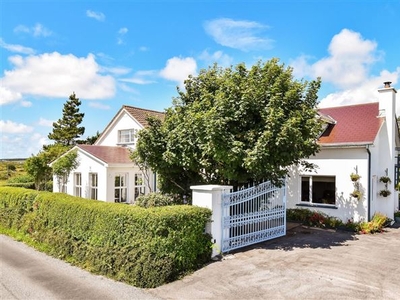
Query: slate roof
(108, 154)
(140, 114)
(355, 124)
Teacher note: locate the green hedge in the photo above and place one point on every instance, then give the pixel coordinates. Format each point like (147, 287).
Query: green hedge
(142, 247)
(154, 199)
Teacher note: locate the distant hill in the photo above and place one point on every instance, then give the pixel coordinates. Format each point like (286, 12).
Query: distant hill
(13, 159)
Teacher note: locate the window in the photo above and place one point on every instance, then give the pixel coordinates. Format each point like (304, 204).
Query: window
(139, 185)
(78, 184)
(318, 189)
(120, 190)
(93, 184)
(64, 181)
(127, 136)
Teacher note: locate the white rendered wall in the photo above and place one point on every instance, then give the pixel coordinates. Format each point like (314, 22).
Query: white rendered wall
(339, 163)
(123, 121)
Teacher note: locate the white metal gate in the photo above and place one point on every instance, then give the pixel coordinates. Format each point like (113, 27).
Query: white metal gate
(253, 215)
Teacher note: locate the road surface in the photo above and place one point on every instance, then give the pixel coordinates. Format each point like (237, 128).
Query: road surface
(28, 274)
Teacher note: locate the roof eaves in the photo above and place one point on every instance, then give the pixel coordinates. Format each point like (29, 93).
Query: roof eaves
(346, 145)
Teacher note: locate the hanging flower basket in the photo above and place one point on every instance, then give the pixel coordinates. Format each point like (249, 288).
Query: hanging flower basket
(354, 177)
(356, 194)
(384, 193)
(385, 179)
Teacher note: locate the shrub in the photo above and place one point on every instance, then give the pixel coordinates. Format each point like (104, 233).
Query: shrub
(25, 181)
(154, 200)
(312, 218)
(142, 247)
(378, 222)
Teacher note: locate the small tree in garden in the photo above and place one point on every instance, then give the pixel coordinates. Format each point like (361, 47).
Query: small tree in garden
(37, 166)
(233, 126)
(63, 167)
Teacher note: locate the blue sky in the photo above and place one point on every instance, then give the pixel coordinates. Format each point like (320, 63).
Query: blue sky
(112, 53)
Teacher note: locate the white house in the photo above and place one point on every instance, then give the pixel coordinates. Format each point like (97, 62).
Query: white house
(359, 139)
(105, 170)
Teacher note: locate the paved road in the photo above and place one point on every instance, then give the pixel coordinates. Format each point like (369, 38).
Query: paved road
(306, 264)
(28, 274)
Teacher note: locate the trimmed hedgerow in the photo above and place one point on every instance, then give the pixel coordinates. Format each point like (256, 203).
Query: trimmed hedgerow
(154, 200)
(142, 247)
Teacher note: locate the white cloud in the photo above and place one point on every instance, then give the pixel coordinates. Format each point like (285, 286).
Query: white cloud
(362, 93)
(21, 28)
(121, 33)
(216, 57)
(38, 30)
(99, 105)
(178, 69)
(123, 30)
(16, 48)
(143, 49)
(12, 127)
(99, 16)
(347, 65)
(140, 77)
(8, 96)
(124, 87)
(26, 103)
(117, 70)
(242, 35)
(22, 145)
(57, 75)
(45, 122)
(348, 69)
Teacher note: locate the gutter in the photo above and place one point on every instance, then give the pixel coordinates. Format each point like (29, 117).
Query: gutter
(369, 183)
(346, 145)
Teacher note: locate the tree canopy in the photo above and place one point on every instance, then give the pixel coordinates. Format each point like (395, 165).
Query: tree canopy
(64, 166)
(233, 126)
(37, 166)
(66, 130)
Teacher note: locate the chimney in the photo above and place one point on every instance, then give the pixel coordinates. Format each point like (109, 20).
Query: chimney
(387, 84)
(387, 100)
(387, 110)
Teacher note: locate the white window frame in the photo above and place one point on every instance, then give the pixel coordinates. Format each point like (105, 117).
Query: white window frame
(140, 187)
(313, 193)
(93, 185)
(78, 184)
(127, 136)
(64, 184)
(121, 188)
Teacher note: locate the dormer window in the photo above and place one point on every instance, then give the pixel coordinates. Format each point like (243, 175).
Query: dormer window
(127, 136)
(326, 122)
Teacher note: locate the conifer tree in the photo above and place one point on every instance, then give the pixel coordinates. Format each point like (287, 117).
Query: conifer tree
(66, 130)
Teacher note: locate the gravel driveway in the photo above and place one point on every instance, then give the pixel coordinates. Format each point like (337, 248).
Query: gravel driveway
(306, 264)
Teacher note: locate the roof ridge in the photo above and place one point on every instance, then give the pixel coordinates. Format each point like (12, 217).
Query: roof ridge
(144, 109)
(350, 105)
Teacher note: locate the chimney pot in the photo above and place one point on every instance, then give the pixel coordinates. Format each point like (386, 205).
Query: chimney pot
(387, 84)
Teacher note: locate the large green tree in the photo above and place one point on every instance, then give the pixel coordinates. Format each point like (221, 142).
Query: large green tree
(233, 126)
(67, 130)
